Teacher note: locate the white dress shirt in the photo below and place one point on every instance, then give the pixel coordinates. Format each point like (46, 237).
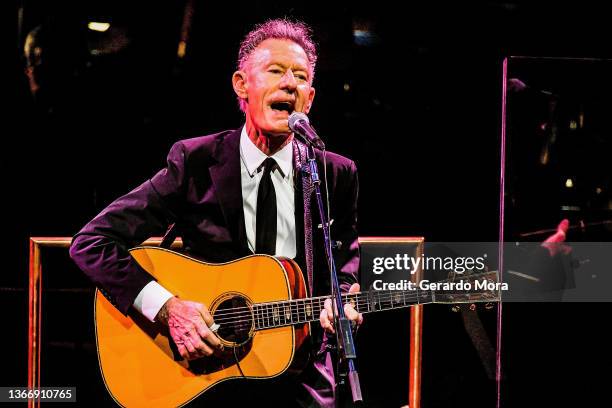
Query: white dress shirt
(251, 171)
(153, 296)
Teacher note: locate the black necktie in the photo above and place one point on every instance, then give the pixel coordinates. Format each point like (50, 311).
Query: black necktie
(265, 230)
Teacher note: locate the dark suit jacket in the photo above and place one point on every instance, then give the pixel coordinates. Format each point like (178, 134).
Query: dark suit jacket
(200, 190)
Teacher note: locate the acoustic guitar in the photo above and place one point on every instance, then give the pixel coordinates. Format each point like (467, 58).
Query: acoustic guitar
(261, 305)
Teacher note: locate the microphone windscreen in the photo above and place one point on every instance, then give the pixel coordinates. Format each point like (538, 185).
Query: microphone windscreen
(295, 117)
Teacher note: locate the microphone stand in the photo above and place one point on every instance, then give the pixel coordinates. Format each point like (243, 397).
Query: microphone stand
(344, 336)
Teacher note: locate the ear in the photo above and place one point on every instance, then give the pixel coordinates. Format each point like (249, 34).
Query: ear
(239, 82)
(311, 96)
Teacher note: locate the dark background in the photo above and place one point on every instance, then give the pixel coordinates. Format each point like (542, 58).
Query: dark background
(416, 102)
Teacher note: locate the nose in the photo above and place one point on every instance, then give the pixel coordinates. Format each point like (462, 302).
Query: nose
(288, 81)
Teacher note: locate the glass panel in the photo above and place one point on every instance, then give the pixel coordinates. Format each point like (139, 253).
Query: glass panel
(558, 148)
(558, 145)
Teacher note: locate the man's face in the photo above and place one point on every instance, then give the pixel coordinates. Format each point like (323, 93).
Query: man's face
(275, 82)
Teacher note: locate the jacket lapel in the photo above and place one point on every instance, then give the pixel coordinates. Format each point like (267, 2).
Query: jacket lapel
(303, 216)
(299, 212)
(225, 175)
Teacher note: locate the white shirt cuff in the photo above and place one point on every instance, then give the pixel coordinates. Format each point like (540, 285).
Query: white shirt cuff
(150, 299)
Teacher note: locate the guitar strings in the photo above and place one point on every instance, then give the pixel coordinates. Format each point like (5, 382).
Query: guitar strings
(288, 306)
(294, 305)
(356, 297)
(316, 302)
(280, 312)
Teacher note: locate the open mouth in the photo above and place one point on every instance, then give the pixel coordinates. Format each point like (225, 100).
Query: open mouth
(282, 106)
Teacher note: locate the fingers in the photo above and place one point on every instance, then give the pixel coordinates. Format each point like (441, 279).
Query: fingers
(190, 346)
(349, 309)
(205, 313)
(189, 330)
(207, 335)
(351, 313)
(184, 346)
(201, 349)
(326, 317)
(182, 350)
(563, 226)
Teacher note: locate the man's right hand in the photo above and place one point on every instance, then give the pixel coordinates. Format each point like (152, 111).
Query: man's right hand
(189, 324)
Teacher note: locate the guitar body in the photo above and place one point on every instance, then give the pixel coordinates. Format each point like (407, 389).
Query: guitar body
(138, 360)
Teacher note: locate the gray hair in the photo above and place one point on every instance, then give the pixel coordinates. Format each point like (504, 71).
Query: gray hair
(282, 29)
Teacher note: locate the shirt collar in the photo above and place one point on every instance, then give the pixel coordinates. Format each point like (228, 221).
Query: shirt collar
(252, 157)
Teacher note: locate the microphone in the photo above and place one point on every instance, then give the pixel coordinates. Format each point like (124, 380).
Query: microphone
(300, 125)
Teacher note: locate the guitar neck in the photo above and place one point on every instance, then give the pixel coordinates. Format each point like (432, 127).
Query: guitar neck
(284, 313)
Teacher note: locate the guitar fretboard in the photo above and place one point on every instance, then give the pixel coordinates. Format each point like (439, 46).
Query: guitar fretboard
(289, 312)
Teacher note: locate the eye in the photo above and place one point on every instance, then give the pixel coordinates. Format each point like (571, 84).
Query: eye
(275, 71)
(301, 75)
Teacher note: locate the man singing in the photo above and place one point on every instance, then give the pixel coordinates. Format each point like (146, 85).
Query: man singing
(232, 194)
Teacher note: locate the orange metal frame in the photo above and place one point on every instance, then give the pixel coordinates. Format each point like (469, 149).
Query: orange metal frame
(416, 319)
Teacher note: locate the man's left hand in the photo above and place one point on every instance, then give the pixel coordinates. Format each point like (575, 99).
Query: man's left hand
(327, 315)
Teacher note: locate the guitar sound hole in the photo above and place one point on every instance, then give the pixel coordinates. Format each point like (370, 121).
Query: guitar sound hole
(235, 319)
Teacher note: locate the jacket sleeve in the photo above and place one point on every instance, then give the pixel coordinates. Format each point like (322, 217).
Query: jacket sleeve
(344, 228)
(101, 248)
